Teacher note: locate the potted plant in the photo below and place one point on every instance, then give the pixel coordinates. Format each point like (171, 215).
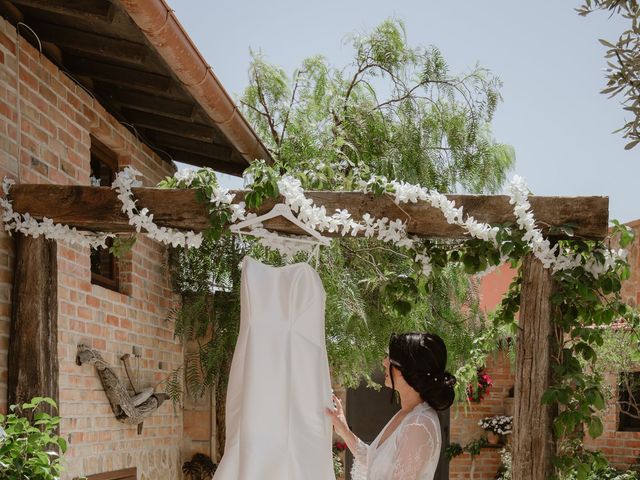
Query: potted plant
(475, 393)
(338, 459)
(200, 467)
(29, 445)
(496, 427)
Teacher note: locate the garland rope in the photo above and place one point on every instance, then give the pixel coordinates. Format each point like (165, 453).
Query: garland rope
(316, 217)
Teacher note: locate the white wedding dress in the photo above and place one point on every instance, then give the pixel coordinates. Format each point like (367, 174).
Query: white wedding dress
(279, 385)
(411, 452)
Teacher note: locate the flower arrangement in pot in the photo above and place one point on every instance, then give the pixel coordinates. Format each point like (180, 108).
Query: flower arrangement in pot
(496, 427)
(475, 393)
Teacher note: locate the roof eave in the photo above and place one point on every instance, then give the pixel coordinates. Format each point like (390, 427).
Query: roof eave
(163, 30)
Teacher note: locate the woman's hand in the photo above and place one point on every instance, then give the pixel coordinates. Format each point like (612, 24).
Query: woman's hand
(340, 425)
(338, 419)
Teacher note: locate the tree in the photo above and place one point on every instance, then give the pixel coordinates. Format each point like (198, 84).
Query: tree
(623, 62)
(396, 111)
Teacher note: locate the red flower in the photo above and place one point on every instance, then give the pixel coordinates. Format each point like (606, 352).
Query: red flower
(340, 446)
(484, 384)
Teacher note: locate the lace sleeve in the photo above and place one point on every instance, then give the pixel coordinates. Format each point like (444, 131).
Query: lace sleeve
(417, 443)
(360, 461)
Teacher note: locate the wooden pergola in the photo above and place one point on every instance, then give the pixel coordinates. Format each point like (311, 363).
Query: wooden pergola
(33, 338)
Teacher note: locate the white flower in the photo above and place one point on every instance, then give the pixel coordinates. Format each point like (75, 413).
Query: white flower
(186, 175)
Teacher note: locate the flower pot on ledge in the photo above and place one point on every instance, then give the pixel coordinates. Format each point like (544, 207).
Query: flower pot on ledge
(494, 438)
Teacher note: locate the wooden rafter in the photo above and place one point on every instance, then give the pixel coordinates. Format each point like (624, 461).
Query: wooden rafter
(206, 149)
(97, 208)
(124, 97)
(117, 50)
(96, 9)
(118, 75)
(159, 123)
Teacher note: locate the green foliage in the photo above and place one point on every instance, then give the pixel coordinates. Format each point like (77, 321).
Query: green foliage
(332, 129)
(594, 466)
(623, 61)
(30, 449)
(505, 471)
(338, 467)
(453, 450)
(395, 111)
(207, 280)
(122, 245)
(474, 447)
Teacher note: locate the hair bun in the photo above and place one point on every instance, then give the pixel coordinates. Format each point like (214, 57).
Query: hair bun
(449, 380)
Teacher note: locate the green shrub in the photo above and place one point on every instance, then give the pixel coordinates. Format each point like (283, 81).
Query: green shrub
(30, 449)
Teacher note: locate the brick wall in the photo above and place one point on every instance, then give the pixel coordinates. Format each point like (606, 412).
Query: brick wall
(464, 423)
(622, 448)
(57, 119)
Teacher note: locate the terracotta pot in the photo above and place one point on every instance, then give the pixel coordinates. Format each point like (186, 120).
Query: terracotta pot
(493, 438)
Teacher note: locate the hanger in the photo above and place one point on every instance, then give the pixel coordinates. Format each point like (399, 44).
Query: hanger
(278, 210)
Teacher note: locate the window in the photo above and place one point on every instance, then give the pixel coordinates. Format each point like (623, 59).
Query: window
(104, 266)
(629, 401)
(126, 474)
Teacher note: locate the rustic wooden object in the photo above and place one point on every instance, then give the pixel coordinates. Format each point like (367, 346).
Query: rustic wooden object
(119, 398)
(97, 208)
(533, 441)
(124, 474)
(33, 335)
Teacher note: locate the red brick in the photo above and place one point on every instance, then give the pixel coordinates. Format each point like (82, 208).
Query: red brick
(7, 43)
(93, 301)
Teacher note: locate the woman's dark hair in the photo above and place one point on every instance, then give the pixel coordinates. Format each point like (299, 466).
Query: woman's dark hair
(422, 358)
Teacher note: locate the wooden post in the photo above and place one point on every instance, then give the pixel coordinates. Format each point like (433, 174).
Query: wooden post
(33, 335)
(533, 442)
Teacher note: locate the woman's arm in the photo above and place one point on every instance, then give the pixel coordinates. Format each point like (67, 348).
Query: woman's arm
(341, 427)
(359, 449)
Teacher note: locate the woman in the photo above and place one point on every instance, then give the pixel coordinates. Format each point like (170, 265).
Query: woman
(408, 448)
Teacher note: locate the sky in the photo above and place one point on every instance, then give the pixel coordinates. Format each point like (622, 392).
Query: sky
(548, 58)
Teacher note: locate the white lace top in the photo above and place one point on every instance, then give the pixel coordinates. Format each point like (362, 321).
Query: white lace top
(411, 452)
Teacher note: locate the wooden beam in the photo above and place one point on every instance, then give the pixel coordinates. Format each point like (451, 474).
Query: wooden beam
(97, 208)
(10, 12)
(167, 107)
(116, 50)
(96, 9)
(160, 123)
(118, 75)
(221, 164)
(33, 335)
(533, 441)
(206, 149)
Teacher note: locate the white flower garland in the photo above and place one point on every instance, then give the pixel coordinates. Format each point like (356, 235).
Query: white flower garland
(143, 220)
(27, 225)
(383, 229)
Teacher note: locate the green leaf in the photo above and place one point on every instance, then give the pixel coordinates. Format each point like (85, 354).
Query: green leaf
(402, 307)
(631, 144)
(595, 427)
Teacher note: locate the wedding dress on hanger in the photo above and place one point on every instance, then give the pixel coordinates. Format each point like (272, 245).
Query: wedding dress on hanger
(279, 385)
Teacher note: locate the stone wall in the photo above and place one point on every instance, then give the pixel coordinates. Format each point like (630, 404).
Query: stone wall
(54, 123)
